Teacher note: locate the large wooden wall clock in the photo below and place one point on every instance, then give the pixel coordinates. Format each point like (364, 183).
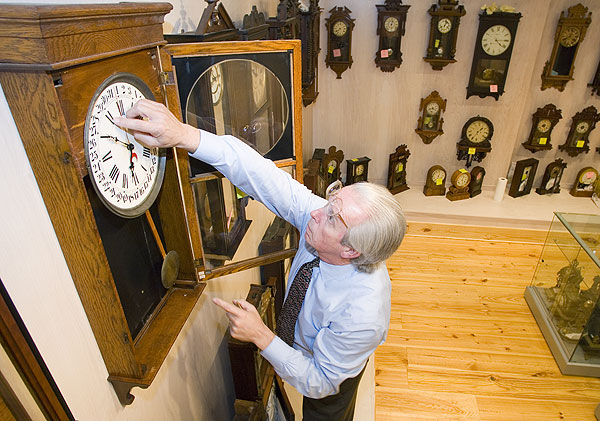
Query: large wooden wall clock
(582, 124)
(391, 21)
(570, 32)
(493, 50)
(310, 30)
(429, 125)
(339, 40)
(544, 121)
(123, 204)
(443, 33)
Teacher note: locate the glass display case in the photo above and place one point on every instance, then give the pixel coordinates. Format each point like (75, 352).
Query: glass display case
(563, 295)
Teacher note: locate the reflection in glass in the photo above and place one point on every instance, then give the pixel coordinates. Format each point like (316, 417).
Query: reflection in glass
(242, 98)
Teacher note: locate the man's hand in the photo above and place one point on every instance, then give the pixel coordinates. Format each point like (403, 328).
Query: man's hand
(245, 323)
(155, 126)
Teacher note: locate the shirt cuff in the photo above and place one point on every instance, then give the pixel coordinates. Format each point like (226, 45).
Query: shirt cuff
(207, 150)
(277, 352)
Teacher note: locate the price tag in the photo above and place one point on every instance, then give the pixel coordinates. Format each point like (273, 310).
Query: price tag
(580, 143)
(384, 53)
(330, 169)
(462, 170)
(427, 120)
(524, 176)
(437, 43)
(493, 88)
(438, 181)
(471, 151)
(543, 140)
(337, 52)
(240, 194)
(400, 167)
(355, 159)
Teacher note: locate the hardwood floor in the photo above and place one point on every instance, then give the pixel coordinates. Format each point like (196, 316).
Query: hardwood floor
(462, 342)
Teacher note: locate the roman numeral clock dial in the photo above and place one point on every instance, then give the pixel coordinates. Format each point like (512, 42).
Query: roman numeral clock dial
(126, 175)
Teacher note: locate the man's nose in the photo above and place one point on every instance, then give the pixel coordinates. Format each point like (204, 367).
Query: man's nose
(316, 214)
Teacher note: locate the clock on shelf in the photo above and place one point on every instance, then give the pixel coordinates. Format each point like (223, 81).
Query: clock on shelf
(523, 177)
(357, 170)
(397, 170)
(584, 183)
(595, 85)
(435, 182)
(544, 120)
(391, 21)
(571, 29)
(475, 140)
(493, 49)
(430, 122)
(254, 26)
(443, 33)
(310, 30)
(459, 189)
(339, 40)
(552, 176)
(332, 165)
(63, 95)
(582, 124)
(215, 25)
(477, 175)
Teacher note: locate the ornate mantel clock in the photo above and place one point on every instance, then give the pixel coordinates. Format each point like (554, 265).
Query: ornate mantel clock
(475, 140)
(435, 182)
(332, 164)
(582, 124)
(584, 183)
(126, 205)
(391, 20)
(477, 175)
(430, 121)
(544, 120)
(570, 32)
(552, 176)
(443, 33)
(397, 170)
(493, 50)
(339, 40)
(310, 29)
(357, 170)
(459, 190)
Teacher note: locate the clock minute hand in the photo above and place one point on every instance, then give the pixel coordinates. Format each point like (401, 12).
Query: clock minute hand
(126, 144)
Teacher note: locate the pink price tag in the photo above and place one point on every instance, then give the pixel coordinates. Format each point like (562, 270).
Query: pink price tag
(337, 52)
(384, 53)
(493, 88)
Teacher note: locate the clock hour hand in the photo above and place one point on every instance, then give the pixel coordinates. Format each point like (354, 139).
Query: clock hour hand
(126, 144)
(131, 154)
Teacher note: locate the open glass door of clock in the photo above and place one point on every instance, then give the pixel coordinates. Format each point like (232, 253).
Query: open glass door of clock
(249, 90)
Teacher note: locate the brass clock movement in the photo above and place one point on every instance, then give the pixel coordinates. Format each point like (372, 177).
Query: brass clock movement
(435, 184)
(544, 121)
(477, 175)
(475, 140)
(332, 164)
(430, 121)
(584, 183)
(397, 170)
(310, 29)
(443, 33)
(391, 20)
(570, 32)
(357, 170)
(493, 50)
(582, 124)
(459, 189)
(339, 40)
(552, 176)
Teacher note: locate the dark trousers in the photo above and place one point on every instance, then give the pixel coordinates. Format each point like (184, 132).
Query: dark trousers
(334, 407)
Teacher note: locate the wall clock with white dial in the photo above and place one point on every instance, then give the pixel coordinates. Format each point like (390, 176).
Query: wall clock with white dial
(391, 22)
(582, 124)
(543, 122)
(443, 33)
(339, 40)
(430, 122)
(475, 140)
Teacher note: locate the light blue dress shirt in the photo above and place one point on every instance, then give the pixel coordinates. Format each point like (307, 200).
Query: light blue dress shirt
(345, 314)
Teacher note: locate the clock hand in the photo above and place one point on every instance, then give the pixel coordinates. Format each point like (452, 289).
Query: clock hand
(131, 153)
(116, 140)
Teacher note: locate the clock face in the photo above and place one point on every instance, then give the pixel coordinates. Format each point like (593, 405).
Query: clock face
(360, 169)
(496, 40)
(332, 165)
(432, 108)
(340, 28)
(587, 178)
(126, 174)
(582, 127)
(478, 131)
(569, 36)
(544, 125)
(438, 174)
(444, 25)
(391, 24)
(462, 180)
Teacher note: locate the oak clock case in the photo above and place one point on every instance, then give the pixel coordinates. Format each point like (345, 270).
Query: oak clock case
(475, 141)
(339, 26)
(51, 83)
(477, 175)
(429, 125)
(391, 22)
(570, 32)
(435, 182)
(443, 33)
(582, 124)
(543, 122)
(551, 179)
(397, 170)
(459, 190)
(584, 182)
(357, 170)
(493, 50)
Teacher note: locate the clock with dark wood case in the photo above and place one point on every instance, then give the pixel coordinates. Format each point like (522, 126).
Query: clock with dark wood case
(310, 29)
(584, 183)
(552, 176)
(459, 190)
(443, 33)
(570, 32)
(430, 121)
(339, 40)
(595, 85)
(214, 25)
(391, 21)
(493, 49)
(477, 175)
(543, 122)
(523, 177)
(397, 170)
(286, 25)
(357, 170)
(582, 124)
(314, 174)
(475, 140)
(435, 184)
(332, 165)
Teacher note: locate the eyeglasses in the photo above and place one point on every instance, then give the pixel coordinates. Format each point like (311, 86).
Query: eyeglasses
(334, 203)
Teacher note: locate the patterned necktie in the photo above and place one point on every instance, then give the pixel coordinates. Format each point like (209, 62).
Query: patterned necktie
(286, 323)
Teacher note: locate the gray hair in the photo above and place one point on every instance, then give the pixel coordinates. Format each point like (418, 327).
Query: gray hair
(381, 233)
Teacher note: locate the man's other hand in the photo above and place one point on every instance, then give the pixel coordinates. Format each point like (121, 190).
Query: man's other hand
(245, 323)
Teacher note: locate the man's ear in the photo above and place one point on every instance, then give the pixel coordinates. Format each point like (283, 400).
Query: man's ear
(349, 253)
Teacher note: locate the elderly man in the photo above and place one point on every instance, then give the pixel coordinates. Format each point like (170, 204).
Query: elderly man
(337, 307)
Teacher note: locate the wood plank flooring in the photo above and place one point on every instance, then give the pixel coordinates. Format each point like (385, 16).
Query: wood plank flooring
(462, 342)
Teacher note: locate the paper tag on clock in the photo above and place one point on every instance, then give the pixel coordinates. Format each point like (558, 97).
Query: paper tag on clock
(384, 53)
(427, 120)
(580, 143)
(543, 140)
(493, 88)
(337, 52)
(330, 169)
(471, 151)
(437, 43)
(438, 181)
(399, 168)
(462, 170)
